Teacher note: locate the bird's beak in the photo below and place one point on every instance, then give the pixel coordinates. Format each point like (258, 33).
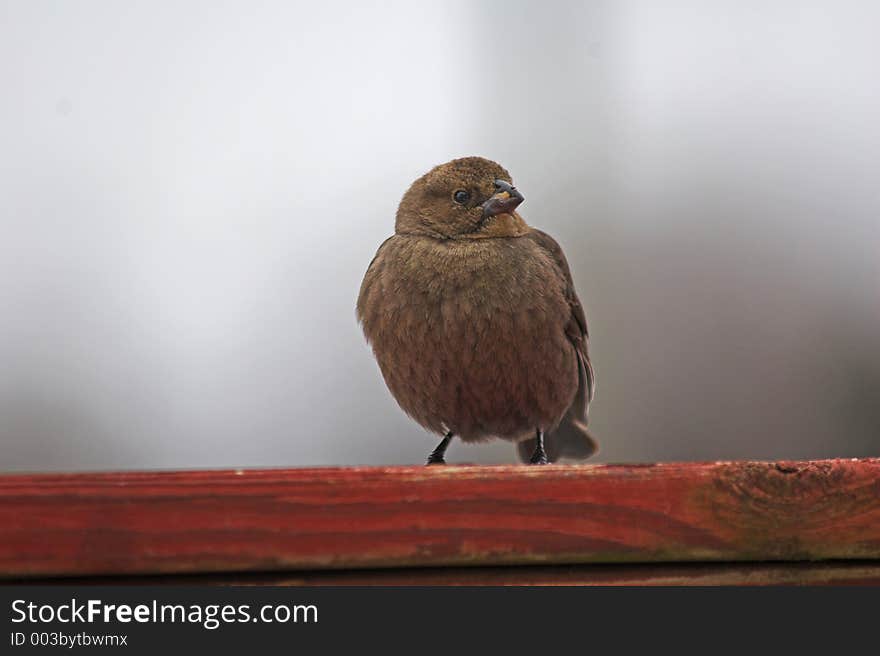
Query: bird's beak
(505, 200)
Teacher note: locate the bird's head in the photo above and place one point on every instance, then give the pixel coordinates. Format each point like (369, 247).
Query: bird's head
(467, 198)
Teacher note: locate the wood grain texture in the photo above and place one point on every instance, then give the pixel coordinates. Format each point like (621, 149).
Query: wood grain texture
(344, 518)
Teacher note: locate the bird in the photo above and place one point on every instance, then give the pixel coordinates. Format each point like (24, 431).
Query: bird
(474, 321)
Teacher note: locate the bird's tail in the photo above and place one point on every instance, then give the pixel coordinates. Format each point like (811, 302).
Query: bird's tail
(570, 439)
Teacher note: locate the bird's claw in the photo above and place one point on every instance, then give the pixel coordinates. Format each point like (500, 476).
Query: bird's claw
(539, 457)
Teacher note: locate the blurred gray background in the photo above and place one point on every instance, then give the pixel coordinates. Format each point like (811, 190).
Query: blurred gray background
(192, 191)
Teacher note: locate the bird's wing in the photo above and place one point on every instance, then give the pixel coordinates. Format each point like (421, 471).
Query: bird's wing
(378, 251)
(576, 329)
(368, 281)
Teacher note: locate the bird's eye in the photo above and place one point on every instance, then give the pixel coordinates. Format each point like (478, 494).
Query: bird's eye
(461, 196)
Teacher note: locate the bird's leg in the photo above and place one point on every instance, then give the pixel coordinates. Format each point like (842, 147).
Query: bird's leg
(539, 457)
(436, 457)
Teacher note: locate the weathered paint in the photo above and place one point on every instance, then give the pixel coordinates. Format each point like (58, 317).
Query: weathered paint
(344, 518)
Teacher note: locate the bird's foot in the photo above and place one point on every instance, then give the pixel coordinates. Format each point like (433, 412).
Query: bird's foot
(436, 457)
(539, 458)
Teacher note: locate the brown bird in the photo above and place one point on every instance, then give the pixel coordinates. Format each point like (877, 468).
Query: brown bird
(473, 318)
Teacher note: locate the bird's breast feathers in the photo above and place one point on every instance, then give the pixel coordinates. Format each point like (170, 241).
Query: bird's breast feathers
(472, 331)
(498, 293)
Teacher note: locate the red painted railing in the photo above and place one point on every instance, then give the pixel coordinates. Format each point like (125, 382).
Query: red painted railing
(312, 521)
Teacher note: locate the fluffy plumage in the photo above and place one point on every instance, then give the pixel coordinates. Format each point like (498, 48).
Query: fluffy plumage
(473, 317)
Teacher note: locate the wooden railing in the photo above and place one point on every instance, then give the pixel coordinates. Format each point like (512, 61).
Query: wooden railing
(678, 523)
